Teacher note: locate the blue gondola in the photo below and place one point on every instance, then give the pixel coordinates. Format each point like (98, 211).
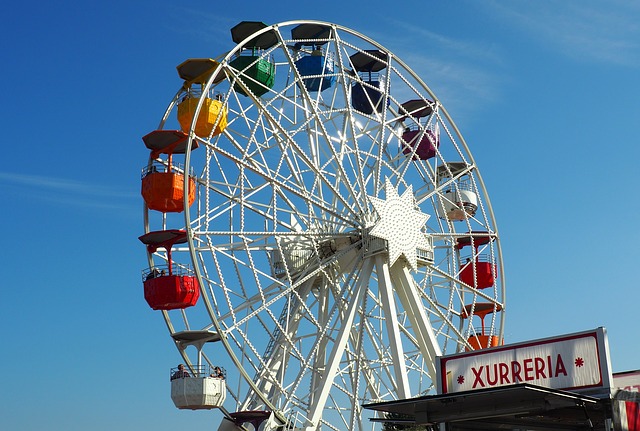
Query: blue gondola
(367, 94)
(314, 65)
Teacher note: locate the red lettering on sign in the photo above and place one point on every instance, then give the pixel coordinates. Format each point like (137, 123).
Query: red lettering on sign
(478, 377)
(494, 380)
(528, 369)
(515, 371)
(539, 362)
(560, 369)
(504, 373)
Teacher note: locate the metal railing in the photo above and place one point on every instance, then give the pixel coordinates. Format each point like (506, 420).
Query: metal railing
(201, 371)
(161, 167)
(163, 270)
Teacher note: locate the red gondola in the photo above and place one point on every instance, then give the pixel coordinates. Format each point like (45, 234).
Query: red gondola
(173, 288)
(476, 271)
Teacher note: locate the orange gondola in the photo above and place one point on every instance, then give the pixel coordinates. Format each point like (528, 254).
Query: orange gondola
(163, 185)
(482, 339)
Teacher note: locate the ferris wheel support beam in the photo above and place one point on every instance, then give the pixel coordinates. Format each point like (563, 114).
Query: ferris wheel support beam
(302, 155)
(342, 338)
(406, 289)
(391, 320)
(274, 367)
(319, 358)
(242, 163)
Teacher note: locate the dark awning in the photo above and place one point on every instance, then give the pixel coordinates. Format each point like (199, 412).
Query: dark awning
(245, 29)
(513, 407)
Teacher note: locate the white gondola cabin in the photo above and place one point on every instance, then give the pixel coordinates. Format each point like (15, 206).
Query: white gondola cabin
(200, 387)
(458, 199)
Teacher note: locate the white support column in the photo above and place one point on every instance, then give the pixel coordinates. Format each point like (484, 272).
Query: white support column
(393, 329)
(337, 353)
(412, 303)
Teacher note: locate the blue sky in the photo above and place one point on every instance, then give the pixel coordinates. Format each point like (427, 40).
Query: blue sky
(545, 93)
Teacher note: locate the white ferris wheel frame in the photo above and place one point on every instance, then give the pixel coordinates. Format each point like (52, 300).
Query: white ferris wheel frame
(406, 308)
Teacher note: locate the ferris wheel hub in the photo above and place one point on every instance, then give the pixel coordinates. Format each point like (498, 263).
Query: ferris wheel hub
(400, 224)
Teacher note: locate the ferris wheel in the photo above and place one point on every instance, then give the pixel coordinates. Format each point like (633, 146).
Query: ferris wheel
(317, 228)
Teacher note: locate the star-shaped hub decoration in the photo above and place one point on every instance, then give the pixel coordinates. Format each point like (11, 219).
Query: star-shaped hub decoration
(400, 223)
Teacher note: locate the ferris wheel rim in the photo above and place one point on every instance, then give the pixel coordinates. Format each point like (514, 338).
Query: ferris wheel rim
(191, 231)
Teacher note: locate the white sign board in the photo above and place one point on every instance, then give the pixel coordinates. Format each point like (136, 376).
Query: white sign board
(577, 362)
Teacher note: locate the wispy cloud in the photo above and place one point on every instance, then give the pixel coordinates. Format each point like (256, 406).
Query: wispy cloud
(464, 74)
(468, 71)
(66, 192)
(211, 28)
(585, 30)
